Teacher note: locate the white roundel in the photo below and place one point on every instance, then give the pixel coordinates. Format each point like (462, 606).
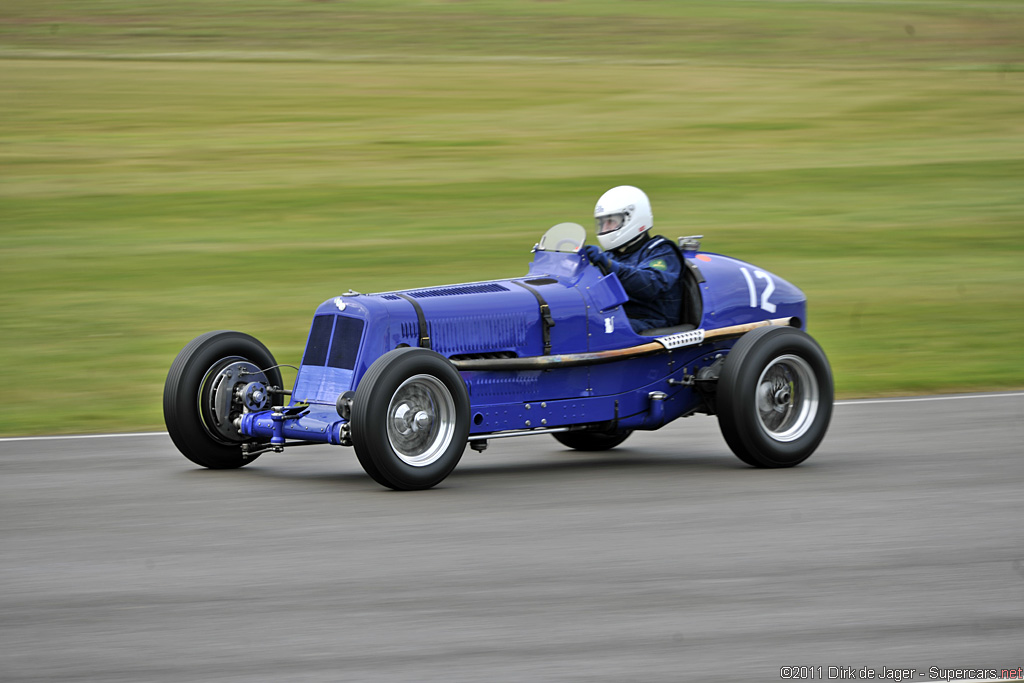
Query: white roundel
(622, 214)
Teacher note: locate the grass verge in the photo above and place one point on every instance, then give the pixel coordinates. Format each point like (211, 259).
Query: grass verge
(213, 185)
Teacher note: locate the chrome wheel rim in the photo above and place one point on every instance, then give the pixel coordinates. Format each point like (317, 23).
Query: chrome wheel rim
(787, 398)
(421, 420)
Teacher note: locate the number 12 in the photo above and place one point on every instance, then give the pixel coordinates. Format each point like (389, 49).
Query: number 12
(769, 288)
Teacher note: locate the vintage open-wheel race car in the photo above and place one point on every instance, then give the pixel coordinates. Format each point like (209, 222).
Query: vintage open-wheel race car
(408, 378)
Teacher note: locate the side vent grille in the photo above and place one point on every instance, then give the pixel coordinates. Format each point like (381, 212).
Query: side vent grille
(472, 334)
(485, 356)
(478, 333)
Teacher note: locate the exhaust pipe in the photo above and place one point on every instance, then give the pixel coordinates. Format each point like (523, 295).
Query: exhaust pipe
(672, 341)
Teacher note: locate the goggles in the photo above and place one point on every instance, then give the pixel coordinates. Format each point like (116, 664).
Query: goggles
(607, 224)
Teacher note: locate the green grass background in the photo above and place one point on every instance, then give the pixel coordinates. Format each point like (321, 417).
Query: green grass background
(168, 168)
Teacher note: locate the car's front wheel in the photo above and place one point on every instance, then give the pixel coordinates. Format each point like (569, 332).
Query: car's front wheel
(774, 397)
(410, 419)
(203, 396)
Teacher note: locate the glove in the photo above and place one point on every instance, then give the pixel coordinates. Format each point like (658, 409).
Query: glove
(597, 257)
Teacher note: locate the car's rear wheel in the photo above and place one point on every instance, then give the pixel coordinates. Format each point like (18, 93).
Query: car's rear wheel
(410, 419)
(592, 441)
(774, 397)
(203, 397)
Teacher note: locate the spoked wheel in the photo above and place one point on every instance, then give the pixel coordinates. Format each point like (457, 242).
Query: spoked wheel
(774, 397)
(592, 441)
(410, 419)
(208, 387)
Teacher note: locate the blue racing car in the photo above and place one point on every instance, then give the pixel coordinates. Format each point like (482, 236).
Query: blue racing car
(408, 378)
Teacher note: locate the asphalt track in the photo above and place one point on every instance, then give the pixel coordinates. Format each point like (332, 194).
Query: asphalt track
(897, 545)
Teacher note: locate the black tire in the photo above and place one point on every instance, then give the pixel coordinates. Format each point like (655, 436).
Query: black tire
(774, 397)
(410, 419)
(592, 441)
(200, 432)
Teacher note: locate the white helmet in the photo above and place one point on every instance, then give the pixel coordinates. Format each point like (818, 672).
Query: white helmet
(622, 214)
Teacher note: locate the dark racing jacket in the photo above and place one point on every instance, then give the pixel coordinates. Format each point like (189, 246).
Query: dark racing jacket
(650, 275)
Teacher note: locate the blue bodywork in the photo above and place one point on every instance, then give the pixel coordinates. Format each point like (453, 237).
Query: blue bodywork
(503, 319)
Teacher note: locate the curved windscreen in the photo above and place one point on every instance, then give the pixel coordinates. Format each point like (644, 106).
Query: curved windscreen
(566, 237)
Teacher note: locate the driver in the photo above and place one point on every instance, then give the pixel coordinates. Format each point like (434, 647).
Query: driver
(648, 267)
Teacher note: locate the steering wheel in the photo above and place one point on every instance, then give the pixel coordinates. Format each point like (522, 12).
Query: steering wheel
(601, 266)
